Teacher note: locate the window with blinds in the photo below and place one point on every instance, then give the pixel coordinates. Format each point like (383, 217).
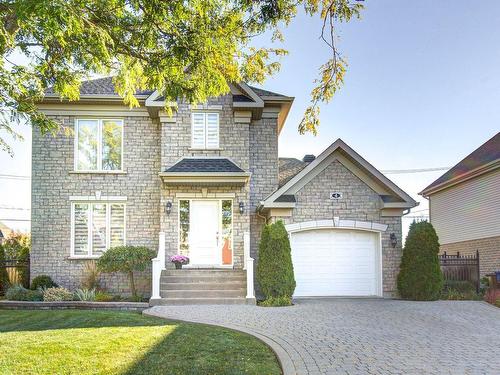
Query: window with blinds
(96, 227)
(205, 130)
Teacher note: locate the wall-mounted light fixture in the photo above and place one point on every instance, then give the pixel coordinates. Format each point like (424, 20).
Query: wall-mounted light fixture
(394, 240)
(168, 207)
(241, 206)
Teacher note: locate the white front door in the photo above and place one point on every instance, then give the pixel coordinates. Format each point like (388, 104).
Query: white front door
(204, 233)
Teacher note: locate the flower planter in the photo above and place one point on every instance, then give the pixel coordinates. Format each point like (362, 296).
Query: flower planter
(178, 266)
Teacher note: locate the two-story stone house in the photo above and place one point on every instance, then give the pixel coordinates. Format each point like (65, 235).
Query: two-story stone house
(202, 183)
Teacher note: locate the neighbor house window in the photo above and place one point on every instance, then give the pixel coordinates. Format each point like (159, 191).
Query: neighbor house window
(98, 145)
(97, 226)
(205, 130)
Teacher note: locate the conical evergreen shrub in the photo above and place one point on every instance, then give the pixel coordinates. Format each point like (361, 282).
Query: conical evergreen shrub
(420, 276)
(275, 269)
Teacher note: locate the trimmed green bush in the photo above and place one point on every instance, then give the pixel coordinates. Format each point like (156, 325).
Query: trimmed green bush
(43, 282)
(276, 302)
(57, 295)
(19, 293)
(4, 277)
(126, 259)
(420, 276)
(275, 269)
(101, 296)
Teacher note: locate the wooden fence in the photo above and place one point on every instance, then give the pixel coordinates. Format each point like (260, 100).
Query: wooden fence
(461, 268)
(18, 271)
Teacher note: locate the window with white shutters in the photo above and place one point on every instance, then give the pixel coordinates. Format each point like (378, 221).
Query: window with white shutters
(205, 130)
(96, 227)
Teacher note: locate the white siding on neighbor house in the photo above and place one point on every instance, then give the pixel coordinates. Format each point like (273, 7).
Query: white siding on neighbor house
(469, 210)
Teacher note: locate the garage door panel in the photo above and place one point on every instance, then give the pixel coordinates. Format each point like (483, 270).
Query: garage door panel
(332, 262)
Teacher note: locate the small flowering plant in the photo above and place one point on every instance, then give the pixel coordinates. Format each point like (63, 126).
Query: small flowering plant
(179, 260)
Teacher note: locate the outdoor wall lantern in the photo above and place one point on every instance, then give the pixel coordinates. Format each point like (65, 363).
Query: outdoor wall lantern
(168, 207)
(394, 240)
(241, 206)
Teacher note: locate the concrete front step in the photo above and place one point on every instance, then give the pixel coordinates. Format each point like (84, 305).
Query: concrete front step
(202, 279)
(203, 286)
(199, 301)
(202, 293)
(203, 272)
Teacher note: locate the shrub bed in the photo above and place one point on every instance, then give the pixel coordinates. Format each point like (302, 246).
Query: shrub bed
(19, 293)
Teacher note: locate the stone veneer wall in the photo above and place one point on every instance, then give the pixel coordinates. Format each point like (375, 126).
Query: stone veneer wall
(359, 202)
(53, 183)
(489, 252)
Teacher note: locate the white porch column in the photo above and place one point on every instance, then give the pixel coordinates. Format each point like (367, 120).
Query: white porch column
(158, 266)
(248, 265)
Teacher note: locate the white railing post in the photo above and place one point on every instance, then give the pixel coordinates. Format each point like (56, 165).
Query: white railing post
(248, 265)
(158, 266)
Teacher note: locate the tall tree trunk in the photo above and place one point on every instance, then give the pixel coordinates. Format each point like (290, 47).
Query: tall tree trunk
(132, 284)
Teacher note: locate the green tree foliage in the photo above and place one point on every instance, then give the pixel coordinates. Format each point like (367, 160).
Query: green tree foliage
(274, 268)
(126, 259)
(186, 49)
(18, 246)
(4, 277)
(420, 277)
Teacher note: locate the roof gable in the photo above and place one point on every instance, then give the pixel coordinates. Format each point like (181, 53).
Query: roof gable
(488, 154)
(339, 150)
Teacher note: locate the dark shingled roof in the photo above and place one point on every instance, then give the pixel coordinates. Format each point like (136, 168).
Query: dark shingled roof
(286, 198)
(487, 153)
(390, 199)
(210, 165)
(288, 168)
(262, 92)
(242, 98)
(100, 86)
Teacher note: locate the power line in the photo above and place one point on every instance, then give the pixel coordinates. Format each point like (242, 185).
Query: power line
(416, 170)
(14, 177)
(2, 207)
(15, 219)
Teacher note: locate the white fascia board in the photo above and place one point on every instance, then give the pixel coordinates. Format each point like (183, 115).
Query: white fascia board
(258, 102)
(152, 102)
(340, 144)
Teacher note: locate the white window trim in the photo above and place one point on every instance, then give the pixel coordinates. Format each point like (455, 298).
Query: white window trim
(89, 229)
(99, 146)
(205, 117)
(220, 224)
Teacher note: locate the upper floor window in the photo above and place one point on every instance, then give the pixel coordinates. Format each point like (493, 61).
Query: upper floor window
(98, 145)
(205, 130)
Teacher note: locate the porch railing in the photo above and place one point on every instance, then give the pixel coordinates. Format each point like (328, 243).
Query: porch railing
(158, 266)
(248, 265)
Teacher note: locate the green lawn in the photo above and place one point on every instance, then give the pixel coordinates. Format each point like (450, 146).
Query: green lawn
(109, 342)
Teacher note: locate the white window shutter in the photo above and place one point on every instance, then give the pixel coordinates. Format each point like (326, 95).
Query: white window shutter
(212, 132)
(198, 130)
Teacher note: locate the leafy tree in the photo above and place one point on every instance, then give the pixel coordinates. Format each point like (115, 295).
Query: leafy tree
(420, 277)
(4, 277)
(274, 268)
(186, 49)
(126, 259)
(17, 246)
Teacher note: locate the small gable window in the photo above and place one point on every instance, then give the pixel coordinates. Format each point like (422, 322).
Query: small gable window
(98, 145)
(205, 130)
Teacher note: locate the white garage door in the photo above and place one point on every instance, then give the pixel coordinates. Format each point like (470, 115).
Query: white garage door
(335, 262)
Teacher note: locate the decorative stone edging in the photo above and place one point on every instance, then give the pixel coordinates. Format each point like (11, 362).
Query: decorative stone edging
(283, 357)
(83, 305)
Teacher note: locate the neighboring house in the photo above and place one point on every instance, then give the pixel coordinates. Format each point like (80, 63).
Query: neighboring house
(203, 183)
(464, 206)
(6, 231)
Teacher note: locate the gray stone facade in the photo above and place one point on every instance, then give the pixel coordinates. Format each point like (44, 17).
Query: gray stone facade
(150, 146)
(54, 182)
(153, 145)
(359, 202)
